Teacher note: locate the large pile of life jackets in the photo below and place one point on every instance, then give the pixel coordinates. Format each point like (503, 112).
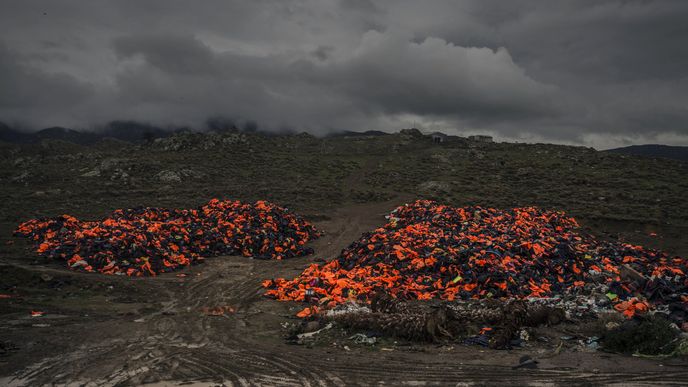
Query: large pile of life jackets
(147, 241)
(432, 251)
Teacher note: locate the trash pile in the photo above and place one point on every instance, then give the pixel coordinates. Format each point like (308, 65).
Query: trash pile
(500, 321)
(147, 241)
(432, 251)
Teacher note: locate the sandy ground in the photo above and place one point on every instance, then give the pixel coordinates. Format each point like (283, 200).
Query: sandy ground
(101, 330)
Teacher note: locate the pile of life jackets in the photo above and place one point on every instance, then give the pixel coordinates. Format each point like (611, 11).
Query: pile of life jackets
(148, 241)
(432, 251)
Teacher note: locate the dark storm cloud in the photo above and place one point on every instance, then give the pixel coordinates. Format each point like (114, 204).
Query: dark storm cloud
(185, 55)
(28, 91)
(386, 74)
(436, 78)
(598, 73)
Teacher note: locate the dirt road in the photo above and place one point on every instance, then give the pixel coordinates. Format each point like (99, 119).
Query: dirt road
(121, 331)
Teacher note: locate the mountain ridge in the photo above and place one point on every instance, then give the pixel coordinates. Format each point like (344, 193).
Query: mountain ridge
(673, 152)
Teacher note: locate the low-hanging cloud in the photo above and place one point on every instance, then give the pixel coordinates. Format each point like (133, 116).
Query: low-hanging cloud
(28, 91)
(386, 74)
(581, 71)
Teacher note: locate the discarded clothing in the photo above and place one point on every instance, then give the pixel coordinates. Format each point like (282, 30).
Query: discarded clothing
(147, 241)
(432, 251)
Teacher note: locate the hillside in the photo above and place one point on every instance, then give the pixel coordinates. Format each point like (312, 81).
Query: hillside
(344, 185)
(313, 174)
(654, 150)
(129, 131)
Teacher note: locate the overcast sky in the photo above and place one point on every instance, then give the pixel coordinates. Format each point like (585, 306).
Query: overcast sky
(598, 73)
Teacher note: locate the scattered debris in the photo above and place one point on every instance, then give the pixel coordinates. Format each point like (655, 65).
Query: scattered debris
(218, 310)
(360, 338)
(307, 312)
(557, 350)
(148, 241)
(526, 362)
(302, 338)
(481, 340)
(347, 308)
(590, 344)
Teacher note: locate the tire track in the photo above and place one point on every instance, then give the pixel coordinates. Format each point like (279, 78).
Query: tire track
(179, 342)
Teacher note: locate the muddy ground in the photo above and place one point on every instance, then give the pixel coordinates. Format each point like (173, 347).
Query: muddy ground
(108, 330)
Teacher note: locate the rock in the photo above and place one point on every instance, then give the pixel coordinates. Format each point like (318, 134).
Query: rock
(198, 141)
(116, 165)
(21, 178)
(22, 161)
(167, 176)
(440, 158)
(435, 187)
(525, 171)
(191, 173)
(172, 143)
(234, 138)
(476, 154)
(111, 163)
(120, 175)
